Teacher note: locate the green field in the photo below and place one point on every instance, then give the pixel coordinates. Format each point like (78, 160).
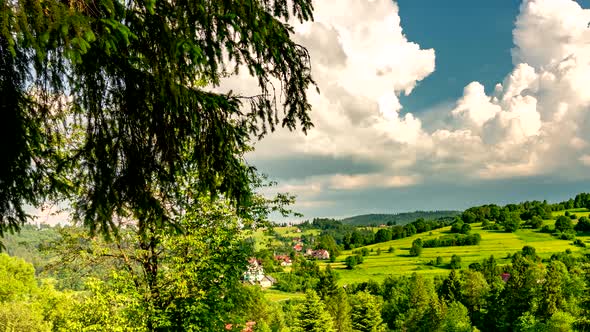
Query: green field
(263, 240)
(497, 243)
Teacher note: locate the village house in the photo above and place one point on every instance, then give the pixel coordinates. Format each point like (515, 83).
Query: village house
(284, 260)
(298, 247)
(255, 274)
(321, 254)
(267, 281)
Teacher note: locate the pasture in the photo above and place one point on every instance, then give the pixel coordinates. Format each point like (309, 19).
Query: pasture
(497, 243)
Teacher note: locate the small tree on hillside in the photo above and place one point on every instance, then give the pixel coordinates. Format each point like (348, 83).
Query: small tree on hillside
(416, 249)
(536, 222)
(455, 262)
(563, 224)
(583, 225)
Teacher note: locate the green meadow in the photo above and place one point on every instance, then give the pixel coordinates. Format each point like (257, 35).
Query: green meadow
(497, 243)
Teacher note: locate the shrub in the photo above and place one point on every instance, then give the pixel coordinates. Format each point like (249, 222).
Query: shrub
(536, 222)
(579, 243)
(546, 229)
(350, 262)
(455, 262)
(390, 250)
(563, 224)
(415, 250)
(573, 216)
(439, 260)
(583, 225)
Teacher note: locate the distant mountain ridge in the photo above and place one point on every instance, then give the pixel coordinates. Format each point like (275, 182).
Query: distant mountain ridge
(397, 218)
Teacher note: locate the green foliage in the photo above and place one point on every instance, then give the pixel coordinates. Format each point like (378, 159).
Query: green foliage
(416, 248)
(583, 225)
(563, 224)
(312, 315)
(339, 308)
(455, 262)
(396, 219)
(450, 290)
(536, 222)
(456, 319)
(366, 313)
(139, 120)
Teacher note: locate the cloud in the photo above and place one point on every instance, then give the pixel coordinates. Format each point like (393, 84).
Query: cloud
(534, 123)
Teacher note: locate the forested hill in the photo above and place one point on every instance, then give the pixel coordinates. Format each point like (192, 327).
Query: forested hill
(396, 219)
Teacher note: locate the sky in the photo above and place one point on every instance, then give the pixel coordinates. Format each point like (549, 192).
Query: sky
(434, 105)
(427, 105)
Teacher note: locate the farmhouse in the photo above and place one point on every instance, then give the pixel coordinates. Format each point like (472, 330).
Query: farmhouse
(255, 274)
(284, 260)
(267, 281)
(318, 254)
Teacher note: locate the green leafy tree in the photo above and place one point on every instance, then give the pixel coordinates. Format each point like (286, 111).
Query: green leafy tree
(583, 225)
(312, 316)
(455, 262)
(416, 248)
(475, 293)
(455, 319)
(351, 261)
(191, 281)
(563, 224)
(536, 222)
(366, 313)
(105, 102)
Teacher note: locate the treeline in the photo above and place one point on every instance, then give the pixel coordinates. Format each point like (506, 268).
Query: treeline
(511, 217)
(453, 240)
(350, 237)
(396, 219)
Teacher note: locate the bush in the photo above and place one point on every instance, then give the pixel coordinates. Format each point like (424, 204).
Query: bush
(351, 262)
(475, 266)
(546, 229)
(568, 235)
(455, 262)
(378, 251)
(416, 250)
(439, 260)
(390, 250)
(573, 216)
(563, 224)
(567, 213)
(536, 222)
(583, 225)
(579, 243)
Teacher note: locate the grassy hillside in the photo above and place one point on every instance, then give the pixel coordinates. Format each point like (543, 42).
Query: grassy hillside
(497, 243)
(398, 218)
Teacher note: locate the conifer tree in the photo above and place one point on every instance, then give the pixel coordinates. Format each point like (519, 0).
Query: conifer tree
(339, 308)
(109, 104)
(450, 289)
(366, 313)
(312, 315)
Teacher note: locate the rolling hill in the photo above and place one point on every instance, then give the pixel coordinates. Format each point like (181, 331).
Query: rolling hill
(397, 218)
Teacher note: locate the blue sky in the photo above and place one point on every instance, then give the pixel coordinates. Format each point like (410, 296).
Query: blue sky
(410, 115)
